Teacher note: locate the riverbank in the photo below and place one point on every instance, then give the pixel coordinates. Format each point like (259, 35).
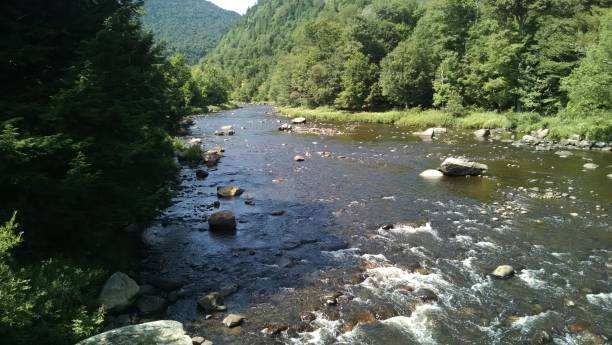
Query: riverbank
(596, 128)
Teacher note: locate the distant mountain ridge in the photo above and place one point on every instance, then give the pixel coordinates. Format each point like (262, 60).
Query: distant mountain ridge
(190, 27)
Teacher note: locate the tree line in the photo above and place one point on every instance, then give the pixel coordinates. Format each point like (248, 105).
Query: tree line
(550, 57)
(88, 110)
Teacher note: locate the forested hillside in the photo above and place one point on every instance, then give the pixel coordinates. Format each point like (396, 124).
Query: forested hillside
(190, 27)
(549, 57)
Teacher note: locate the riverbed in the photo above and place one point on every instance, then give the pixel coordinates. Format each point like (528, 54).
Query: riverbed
(356, 220)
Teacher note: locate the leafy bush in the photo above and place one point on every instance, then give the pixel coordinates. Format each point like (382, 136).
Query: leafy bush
(49, 301)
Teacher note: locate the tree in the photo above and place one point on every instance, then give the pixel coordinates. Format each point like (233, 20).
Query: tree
(407, 74)
(358, 76)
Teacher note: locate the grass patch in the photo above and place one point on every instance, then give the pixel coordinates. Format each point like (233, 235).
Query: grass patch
(221, 107)
(596, 126)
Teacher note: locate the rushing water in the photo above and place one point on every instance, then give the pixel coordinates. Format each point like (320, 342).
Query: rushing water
(449, 235)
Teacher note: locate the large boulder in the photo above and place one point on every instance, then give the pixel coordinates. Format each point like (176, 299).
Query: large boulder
(228, 191)
(118, 292)
(503, 272)
(299, 120)
(152, 333)
(462, 167)
(223, 221)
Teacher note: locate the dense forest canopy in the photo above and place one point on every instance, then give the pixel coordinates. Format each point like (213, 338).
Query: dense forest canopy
(88, 110)
(190, 27)
(526, 56)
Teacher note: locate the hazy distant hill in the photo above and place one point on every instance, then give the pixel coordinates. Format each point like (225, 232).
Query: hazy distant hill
(192, 27)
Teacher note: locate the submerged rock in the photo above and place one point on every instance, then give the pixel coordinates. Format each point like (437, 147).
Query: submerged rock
(563, 154)
(503, 272)
(151, 304)
(229, 191)
(307, 316)
(152, 333)
(118, 292)
(233, 320)
(223, 221)
(201, 174)
(431, 173)
(462, 167)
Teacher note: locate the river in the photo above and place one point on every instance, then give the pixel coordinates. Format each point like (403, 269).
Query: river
(314, 228)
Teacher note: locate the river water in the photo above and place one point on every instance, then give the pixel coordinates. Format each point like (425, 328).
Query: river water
(544, 215)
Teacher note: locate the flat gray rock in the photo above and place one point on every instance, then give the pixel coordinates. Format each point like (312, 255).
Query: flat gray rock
(152, 333)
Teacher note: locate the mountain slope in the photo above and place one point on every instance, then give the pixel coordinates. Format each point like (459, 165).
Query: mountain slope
(191, 27)
(250, 50)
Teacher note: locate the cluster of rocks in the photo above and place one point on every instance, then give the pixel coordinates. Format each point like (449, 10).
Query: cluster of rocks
(214, 302)
(540, 141)
(121, 296)
(286, 127)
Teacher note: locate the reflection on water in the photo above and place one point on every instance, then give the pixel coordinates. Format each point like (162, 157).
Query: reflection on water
(541, 214)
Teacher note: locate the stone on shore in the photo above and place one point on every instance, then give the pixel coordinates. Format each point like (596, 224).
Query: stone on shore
(431, 173)
(229, 191)
(118, 292)
(299, 120)
(223, 221)
(482, 133)
(233, 320)
(462, 167)
(152, 333)
(542, 133)
(503, 272)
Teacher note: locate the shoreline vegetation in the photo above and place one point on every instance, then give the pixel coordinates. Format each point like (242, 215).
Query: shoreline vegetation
(593, 128)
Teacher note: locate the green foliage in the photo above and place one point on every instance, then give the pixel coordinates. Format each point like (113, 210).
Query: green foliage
(213, 85)
(47, 301)
(189, 27)
(498, 56)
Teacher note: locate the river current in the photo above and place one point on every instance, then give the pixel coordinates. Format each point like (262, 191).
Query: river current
(356, 220)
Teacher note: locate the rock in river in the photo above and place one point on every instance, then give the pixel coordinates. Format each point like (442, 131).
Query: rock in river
(148, 305)
(431, 173)
(590, 166)
(482, 133)
(299, 120)
(285, 127)
(152, 333)
(503, 272)
(118, 292)
(299, 158)
(211, 302)
(462, 167)
(233, 320)
(229, 191)
(223, 221)
(201, 174)
(425, 295)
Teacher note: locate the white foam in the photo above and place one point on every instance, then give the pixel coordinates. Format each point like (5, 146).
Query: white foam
(464, 239)
(526, 322)
(342, 254)
(531, 278)
(407, 229)
(386, 279)
(603, 300)
(487, 245)
(419, 323)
